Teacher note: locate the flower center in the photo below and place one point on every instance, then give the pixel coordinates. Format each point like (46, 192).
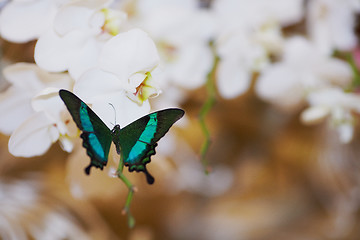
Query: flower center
(146, 89)
(113, 21)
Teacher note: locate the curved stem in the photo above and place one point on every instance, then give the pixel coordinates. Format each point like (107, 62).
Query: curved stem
(356, 73)
(132, 189)
(209, 103)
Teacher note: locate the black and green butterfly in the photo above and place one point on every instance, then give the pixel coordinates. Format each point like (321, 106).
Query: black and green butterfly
(136, 142)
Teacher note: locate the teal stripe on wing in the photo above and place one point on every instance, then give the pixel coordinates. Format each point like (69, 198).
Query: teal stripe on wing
(149, 132)
(145, 139)
(136, 151)
(97, 147)
(85, 119)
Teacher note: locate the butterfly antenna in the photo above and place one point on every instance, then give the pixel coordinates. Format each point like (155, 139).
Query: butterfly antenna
(114, 112)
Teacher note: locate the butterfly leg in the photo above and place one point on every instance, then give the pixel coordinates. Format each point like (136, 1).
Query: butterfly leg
(132, 189)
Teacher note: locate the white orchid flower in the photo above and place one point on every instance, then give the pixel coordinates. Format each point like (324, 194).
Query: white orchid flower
(26, 80)
(50, 122)
(122, 77)
(248, 32)
(182, 39)
(23, 21)
(303, 68)
(331, 24)
(335, 104)
(79, 30)
(239, 58)
(257, 12)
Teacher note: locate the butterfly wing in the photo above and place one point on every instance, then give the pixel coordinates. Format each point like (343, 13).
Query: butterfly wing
(139, 139)
(95, 134)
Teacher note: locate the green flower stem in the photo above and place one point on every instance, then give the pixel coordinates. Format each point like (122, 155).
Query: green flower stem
(209, 103)
(349, 57)
(356, 73)
(132, 189)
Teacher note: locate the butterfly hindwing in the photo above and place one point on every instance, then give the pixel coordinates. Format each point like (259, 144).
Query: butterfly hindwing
(139, 139)
(95, 134)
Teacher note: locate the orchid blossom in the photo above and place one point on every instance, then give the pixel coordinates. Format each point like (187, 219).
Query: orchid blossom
(27, 80)
(338, 106)
(248, 33)
(122, 77)
(49, 122)
(74, 41)
(183, 39)
(23, 21)
(303, 68)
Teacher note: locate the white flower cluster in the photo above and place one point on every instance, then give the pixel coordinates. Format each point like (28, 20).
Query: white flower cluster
(96, 49)
(286, 46)
(259, 39)
(83, 46)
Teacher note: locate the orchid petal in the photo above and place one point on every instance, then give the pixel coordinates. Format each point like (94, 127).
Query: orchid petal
(182, 39)
(284, 11)
(331, 25)
(27, 80)
(114, 19)
(128, 53)
(54, 53)
(346, 132)
(34, 137)
(48, 101)
(74, 42)
(77, 15)
(23, 75)
(326, 96)
(297, 51)
(192, 66)
(336, 71)
(22, 21)
(134, 81)
(66, 143)
(85, 59)
(15, 108)
(146, 89)
(30, 77)
(280, 85)
(95, 83)
(233, 80)
(314, 115)
(66, 121)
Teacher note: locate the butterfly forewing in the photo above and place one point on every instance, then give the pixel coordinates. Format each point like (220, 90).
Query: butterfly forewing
(95, 134)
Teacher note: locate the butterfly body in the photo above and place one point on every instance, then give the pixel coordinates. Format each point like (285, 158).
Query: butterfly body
(135, 142)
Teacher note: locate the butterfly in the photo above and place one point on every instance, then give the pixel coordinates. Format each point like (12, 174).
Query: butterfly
(136, 142)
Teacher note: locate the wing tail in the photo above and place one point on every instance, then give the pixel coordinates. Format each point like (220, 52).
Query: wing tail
(149, 178)
(141, 166)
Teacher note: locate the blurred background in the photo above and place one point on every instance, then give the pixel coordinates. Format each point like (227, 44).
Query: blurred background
(272, 176)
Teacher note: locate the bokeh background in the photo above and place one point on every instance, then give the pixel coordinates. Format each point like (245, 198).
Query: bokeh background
(273, 178)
